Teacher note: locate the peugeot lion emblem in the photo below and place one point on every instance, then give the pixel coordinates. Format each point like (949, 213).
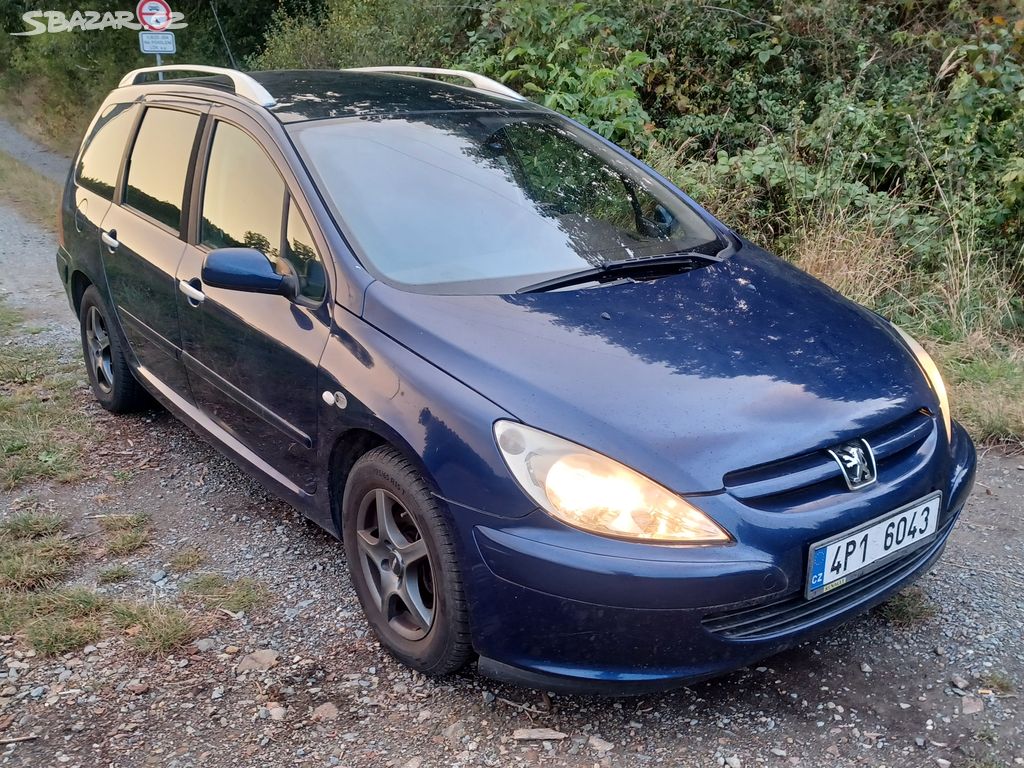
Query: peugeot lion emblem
(857, 461)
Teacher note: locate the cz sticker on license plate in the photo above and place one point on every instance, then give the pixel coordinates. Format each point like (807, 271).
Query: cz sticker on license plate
(843, 558)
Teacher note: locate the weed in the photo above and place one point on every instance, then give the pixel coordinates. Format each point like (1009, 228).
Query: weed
(187, 560)
(908, 608)
(33, 563)
(43, 432)
(128, 541)
(115, 523)
(115, 574)
(156, 628)
(217, 591)
(128, 533)
(30, 525)
(52, 635)
(998, 682)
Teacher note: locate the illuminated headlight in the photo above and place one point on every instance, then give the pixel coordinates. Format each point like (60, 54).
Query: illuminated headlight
(590, 491)
(934, 377)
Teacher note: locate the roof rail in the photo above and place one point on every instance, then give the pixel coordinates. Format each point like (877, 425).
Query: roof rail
(245, 86)
(478, 81)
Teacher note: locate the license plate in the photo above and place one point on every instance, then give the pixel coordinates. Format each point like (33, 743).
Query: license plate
(841, 559)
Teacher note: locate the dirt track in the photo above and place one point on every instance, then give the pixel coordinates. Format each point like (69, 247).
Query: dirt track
(871, 694)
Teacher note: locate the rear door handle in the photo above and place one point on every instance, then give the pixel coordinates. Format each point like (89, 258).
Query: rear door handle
(109, 239)
(193, 293)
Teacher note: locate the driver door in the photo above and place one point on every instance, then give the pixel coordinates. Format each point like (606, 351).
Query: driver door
(252, 358)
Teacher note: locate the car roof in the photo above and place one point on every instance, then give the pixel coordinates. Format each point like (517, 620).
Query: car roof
(301, 95)
(320, 94)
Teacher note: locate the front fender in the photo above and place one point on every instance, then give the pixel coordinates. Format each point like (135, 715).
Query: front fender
(440, 424)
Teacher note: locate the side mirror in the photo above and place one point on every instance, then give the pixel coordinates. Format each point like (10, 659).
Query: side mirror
(246, 269)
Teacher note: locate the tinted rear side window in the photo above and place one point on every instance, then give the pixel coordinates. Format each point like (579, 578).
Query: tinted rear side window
(101, 156)
(159, 164)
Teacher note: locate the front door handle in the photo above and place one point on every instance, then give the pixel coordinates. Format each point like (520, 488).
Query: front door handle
(109, 239)
(194, 294)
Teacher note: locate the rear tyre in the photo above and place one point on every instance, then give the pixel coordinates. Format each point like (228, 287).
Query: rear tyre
(112, 381)
(401, 556)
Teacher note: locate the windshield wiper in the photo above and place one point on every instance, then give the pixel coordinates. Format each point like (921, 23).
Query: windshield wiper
(645, 268)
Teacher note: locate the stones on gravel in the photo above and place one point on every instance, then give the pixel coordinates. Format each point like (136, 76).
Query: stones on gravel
(598, 744)
(865, 667)
(158, 575)
(971, 705)
(261, 661)
(537, 734)
(205, 644)
(326, 712)
(960, 682)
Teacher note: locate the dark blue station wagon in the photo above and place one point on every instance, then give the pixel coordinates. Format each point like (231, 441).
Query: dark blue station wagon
(565, 422)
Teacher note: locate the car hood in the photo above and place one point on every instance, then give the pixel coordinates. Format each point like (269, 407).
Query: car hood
(683, 378)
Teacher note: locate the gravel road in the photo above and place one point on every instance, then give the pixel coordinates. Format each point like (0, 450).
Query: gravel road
(300, 681)
(52, 165)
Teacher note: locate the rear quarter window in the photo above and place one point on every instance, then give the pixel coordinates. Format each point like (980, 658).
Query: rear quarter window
(159, 164)
(100, 159)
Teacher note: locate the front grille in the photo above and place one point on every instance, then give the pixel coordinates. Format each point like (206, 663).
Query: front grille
(801, 481)
(794, 613)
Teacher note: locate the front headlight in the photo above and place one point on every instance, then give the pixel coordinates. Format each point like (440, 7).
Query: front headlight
(590, 491)
(934, 377)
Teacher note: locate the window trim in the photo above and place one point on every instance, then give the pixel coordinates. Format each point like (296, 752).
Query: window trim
(289, 200)
(133, 112)
(197, 187)
(122, 186)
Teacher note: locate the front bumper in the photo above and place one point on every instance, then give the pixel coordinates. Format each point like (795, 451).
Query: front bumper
(547, 615)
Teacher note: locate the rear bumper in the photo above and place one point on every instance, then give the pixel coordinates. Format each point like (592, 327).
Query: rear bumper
(572, 621)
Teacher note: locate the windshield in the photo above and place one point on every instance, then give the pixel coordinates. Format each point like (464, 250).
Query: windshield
(484, 202)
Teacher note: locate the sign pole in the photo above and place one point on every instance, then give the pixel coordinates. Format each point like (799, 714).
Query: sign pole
(159, 62)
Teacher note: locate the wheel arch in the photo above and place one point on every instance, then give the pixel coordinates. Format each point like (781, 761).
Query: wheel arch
(80, 283)
(354, 443)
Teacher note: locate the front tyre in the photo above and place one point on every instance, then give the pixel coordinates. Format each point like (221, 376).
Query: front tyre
(401, 556)
(112, 381)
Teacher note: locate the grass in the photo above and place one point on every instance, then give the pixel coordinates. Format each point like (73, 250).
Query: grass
(32, 194)
(216, 591)
(907, 609)
(998, 682)
(54, 621)
(115, 574)
(27, 564)
(187, 560)
(43, 432)
(32, 524)
(126, 533)
(54, 635)
(156, 628)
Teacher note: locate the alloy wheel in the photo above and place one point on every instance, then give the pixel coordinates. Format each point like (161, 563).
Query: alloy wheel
(98, 341)
(396, 564)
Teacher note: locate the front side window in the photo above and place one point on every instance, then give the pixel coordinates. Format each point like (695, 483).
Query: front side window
(100, 160)
(159, 164)
(243, 196)
(301, 257)
(485, 202)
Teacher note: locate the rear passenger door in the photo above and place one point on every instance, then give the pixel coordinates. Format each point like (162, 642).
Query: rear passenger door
(96, 174)
(253, 358)
(142, 240)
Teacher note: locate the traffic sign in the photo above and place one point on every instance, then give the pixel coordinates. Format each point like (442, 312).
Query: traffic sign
(156, 42)
(154, 15)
